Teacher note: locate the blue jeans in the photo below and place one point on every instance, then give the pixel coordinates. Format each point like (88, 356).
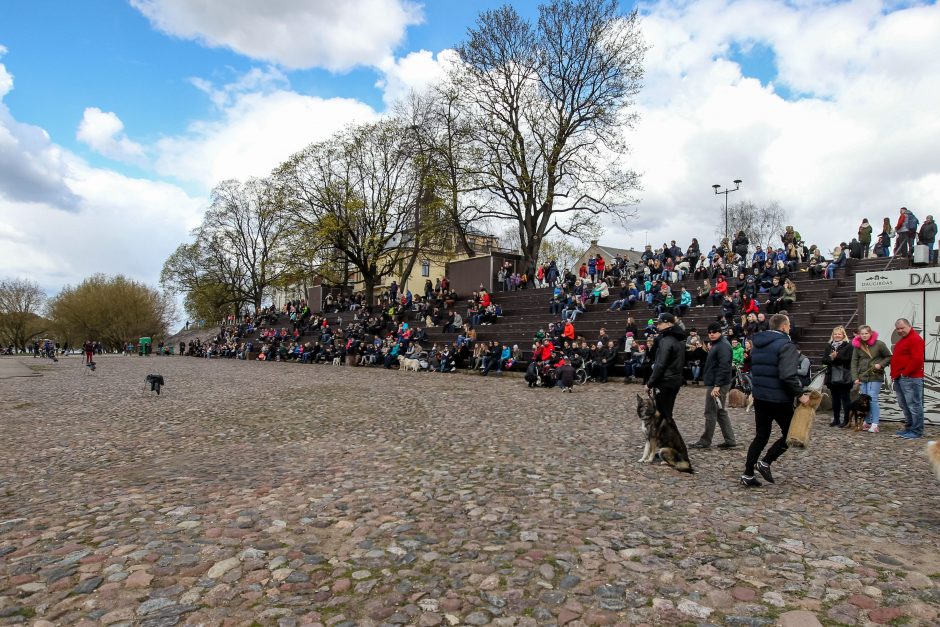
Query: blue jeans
(872, 388)
(910, 393)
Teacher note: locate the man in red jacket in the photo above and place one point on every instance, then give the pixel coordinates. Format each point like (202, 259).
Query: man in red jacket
(907, 372)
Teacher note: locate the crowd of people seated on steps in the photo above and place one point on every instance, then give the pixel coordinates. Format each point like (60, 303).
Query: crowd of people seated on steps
(744, 284)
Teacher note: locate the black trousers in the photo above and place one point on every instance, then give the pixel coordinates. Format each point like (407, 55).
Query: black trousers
(666, 400)
(841, 399)
(765, 415)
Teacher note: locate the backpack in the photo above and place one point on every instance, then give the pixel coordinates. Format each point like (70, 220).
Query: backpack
(803, 369)
(912, 222)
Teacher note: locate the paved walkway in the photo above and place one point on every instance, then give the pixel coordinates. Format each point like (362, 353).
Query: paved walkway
(17, 367)
(279, 494)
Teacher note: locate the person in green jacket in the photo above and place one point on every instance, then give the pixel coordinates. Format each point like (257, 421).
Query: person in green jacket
(869, 360)
(864, 237)
(737, 353)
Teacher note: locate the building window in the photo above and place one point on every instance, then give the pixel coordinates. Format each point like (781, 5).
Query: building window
(425, 268)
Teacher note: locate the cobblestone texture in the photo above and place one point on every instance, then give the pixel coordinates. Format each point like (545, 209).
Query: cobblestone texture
(280, 494)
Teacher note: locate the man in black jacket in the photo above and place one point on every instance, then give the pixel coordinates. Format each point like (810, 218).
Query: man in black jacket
(774, 364)
(669, 350)
(717, 381)
(606, 356)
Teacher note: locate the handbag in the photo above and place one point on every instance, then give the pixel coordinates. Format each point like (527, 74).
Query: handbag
(840, 375)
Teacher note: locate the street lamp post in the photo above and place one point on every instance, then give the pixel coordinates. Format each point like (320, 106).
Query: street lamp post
(737, 186)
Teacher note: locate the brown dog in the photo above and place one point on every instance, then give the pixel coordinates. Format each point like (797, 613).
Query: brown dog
(858, 411)
(933, 454)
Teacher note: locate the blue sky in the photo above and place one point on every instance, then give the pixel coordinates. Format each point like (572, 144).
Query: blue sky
(104, 53)
(826, 108)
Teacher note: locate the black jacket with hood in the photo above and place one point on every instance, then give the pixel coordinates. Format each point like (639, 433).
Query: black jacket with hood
(670, 358)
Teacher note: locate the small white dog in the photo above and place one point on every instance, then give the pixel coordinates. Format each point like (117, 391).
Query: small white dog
(337, 361)
(408, 364)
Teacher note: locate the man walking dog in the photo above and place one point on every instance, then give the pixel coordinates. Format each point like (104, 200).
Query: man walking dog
(669, 360)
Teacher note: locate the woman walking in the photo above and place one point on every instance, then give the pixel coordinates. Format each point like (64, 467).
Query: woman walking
(838, 359)
(869, 361)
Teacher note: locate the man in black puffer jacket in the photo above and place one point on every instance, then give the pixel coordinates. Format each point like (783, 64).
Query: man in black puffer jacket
(669, 361)
(774, 364)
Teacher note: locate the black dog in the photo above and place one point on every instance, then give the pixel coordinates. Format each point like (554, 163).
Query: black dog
(858, 411)
(155, 381)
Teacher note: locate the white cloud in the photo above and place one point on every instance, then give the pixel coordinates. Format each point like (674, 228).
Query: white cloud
(255, 80)
(336, 35)
(857, 143)
(62, 220)
(103, 132)
(414, 72)
(32, 168)
(256, 132)
(126, 225)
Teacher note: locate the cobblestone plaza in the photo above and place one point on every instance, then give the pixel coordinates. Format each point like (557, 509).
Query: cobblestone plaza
(280, 494)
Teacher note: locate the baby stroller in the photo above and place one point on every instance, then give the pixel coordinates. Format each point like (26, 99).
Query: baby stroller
(423, 360)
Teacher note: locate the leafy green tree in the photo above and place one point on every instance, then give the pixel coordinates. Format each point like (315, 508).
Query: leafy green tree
(111, 309)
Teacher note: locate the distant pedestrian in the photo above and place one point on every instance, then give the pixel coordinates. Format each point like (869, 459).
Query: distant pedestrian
(906, 229)
(717, 381)
(774, 375)
(907, 372)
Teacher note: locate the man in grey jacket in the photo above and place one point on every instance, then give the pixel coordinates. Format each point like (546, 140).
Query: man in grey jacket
(717, 380)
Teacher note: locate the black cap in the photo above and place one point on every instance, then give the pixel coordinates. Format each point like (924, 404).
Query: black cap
(666, 317)
(714, 327)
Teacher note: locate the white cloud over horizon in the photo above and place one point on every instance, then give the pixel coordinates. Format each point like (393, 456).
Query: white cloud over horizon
(857, 141)
(297, 34)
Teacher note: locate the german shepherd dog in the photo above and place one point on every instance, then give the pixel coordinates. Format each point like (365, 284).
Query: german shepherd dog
(662, 437)
(858, 411)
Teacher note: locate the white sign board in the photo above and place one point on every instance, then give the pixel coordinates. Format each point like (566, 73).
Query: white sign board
(913, 294)
(898, 280)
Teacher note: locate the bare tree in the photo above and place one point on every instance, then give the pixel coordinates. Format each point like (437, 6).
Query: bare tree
(21, 303)
(356, 192)
(550, 104)
(244, 237)
(763, 224)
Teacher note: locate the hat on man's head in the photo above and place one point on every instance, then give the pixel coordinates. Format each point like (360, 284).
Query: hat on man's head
(666, 317)
(714, 327)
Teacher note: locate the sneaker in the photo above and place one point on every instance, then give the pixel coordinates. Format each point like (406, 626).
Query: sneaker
(834, 423)
(764, 470)
(699, 445)
(872, 429)
(750, 482)
(729, 445)
(866, 426)
(911, 436)
(902, 433)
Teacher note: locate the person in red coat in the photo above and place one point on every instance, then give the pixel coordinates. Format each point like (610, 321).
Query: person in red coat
(600, 265)
(568, 333)
(907, 373)
(485, 299)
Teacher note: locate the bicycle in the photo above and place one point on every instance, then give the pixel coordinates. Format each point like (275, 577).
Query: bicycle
(742, 381)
